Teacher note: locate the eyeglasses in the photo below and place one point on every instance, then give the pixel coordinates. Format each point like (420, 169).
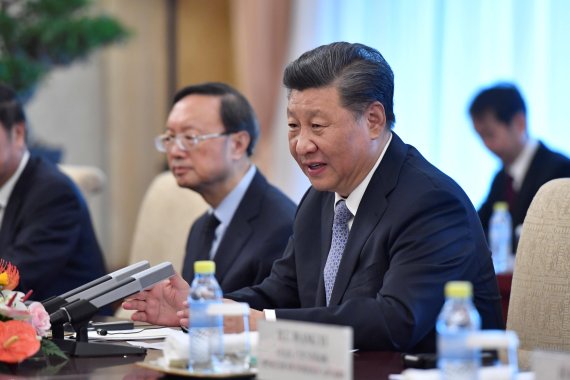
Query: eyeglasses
(164, 143)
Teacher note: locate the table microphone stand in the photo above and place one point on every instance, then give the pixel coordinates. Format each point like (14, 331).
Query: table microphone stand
(78, 314)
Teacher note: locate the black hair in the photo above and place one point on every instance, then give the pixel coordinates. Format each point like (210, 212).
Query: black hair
(235, 111)
(503, 100)
(11, 110)
(359, 72)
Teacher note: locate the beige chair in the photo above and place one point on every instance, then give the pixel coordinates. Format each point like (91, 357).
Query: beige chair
(539, 309)
(164, 220)
(89, 179)
(163, 223)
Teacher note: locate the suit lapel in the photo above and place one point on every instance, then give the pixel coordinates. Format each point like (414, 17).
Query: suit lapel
(327, 216)
(239, 230)
(192, 248)
(369, 214)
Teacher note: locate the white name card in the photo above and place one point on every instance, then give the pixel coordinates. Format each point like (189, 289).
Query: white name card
(551, 365)
(304, 351)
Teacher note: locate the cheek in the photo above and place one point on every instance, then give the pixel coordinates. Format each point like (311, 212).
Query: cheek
(293, 146)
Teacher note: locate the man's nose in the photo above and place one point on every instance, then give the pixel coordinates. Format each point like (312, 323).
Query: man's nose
(305, 143)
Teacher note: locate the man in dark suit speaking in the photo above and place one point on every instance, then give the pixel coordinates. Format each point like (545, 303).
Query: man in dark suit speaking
(210, 135)
(499, 117)
(45, 227)
(380, 231)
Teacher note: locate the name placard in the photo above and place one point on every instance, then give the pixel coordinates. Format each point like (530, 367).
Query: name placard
(550, 365)
(304, 351)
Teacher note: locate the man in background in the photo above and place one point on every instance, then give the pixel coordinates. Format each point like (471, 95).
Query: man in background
(45, 227)
(379, 232)
(210, 136)
(499, 117)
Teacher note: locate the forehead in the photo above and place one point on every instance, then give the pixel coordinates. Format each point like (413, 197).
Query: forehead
(195, 110)
(488, 121)
(313, 101)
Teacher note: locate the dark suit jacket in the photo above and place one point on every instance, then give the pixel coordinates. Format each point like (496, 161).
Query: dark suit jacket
(546, 165)
(414, 230)
(255, 238)
(47, 233)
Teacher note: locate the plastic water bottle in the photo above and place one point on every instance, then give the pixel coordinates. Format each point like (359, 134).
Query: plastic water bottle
(206, 331)
(500, 236)
(458, 318)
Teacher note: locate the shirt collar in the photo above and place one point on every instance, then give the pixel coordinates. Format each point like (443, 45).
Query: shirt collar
(354, 198)
(521, 164)
(6, 190)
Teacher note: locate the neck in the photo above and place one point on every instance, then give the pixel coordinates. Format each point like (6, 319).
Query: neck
(217, 192)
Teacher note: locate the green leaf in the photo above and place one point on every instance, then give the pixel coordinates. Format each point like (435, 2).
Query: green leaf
(36, 36)
(49, 348)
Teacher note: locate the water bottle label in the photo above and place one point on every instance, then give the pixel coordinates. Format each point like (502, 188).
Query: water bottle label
(199, 317)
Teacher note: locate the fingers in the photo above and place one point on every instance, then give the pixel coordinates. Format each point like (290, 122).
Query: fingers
(178, 283)
(233, 325)
(184, 313)
(132, 304)
(139, 316)
(254, 317)
(139, 296)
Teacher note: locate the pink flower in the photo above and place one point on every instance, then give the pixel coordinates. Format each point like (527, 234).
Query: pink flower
(40, 318)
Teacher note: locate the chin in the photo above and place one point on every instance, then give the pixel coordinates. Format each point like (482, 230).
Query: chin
(320, 186)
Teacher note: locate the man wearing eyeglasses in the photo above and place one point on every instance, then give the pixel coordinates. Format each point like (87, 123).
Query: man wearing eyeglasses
(210, 136)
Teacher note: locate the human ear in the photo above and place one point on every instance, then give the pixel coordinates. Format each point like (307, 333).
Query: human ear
(376, 119)
(239, 142)
(18, 134)
(519, 122)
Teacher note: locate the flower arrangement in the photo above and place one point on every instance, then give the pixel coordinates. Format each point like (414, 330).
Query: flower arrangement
(22, 326)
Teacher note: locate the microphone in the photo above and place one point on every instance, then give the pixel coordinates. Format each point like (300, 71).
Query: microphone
(82, 309)
(94, 287)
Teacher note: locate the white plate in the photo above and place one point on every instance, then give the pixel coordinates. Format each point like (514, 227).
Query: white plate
(184, 372)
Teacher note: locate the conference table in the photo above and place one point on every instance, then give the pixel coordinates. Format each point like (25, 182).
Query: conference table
(368, 365)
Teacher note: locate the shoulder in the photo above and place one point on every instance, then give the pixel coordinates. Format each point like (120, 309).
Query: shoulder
(43, 180)
(554, 161)
(270, 194)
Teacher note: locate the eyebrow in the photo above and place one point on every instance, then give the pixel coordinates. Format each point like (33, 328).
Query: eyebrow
(314, 113)
(183, 128)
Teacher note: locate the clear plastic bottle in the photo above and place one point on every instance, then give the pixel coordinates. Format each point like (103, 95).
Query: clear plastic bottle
(206, 331)
(500, 237)
(457, 319)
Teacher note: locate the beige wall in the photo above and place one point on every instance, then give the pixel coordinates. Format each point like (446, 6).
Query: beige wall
(203, 47)
(135, 93)
(106, 111)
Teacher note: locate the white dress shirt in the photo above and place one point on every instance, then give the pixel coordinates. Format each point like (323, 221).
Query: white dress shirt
(521, 164)
(6, 190)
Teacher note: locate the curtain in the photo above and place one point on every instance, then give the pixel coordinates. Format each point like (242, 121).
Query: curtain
(259, 40)
(442, 53)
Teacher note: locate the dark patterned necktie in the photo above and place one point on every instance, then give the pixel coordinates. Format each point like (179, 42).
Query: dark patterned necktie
(207, 236)
(338, 242)
(510, 193)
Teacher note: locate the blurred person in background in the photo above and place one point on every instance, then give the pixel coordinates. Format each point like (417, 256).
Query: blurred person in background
(45, 226)
(499, 117)
(209, 139)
